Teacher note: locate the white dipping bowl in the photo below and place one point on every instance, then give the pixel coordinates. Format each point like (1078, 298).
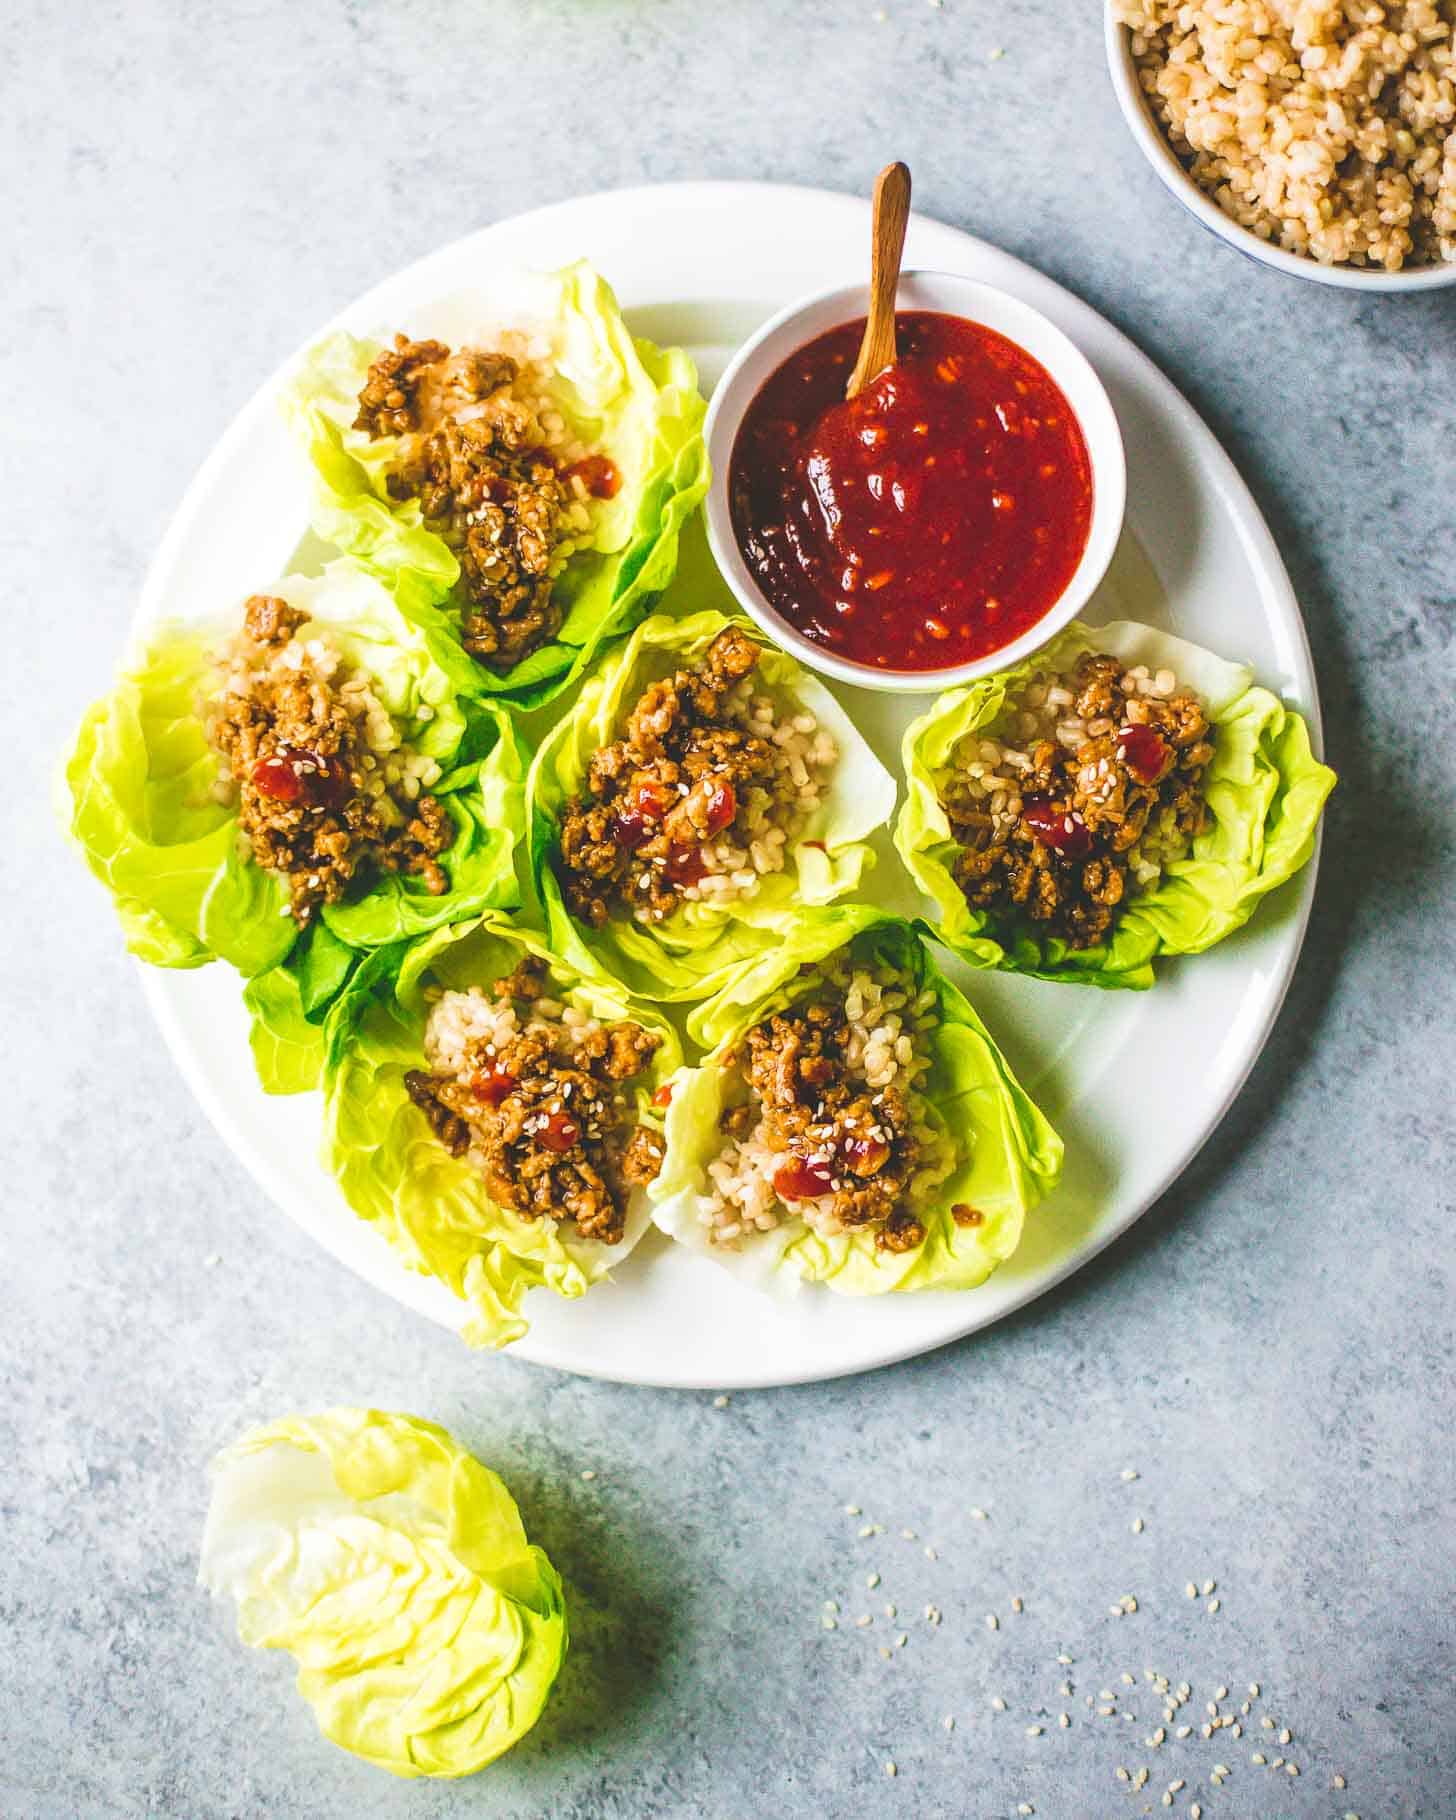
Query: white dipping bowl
(1153, 144)
(803, 322)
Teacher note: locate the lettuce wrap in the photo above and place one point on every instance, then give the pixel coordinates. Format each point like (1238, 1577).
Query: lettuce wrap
(146, 812)
(394, 1568)
(395, 1173)
(999, 1154)
(1264, 791)
(689, 954)
(633, 402)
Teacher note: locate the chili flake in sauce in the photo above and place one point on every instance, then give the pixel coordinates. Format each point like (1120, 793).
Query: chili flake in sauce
(927, 522)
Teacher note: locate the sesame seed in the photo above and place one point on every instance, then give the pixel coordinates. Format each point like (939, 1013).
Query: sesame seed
(931, 1555)
(1127, 1679)
(829, 1623)
(1175, 1787)
(1213, 1605)
(992, 1621)
(1222, 1769)
(588, 1475)
(998, 1705)
(1106, 1712)
(1025, 1807)
(1064, 1720)
(1120, 1773)
(1137, 1526)
(949, 1722)
(1190, 1591)
(1065, 1688)
(886, 1653)
(1286, 1736)
(889, 1611)
(1016, 1605)
(863, 1621)
(1278, 1763)
(978, 1513)
(1220, 1693)
(720, 1402)
(1129, 1473)
(909, 1534)
(1066, 1661)
(831, 1605)
(1167, 1800)
(902, 1640)
(1184, 1731)
(1208, 1585)
(872, 1581)
(1195, 1812)
(1267, 1723)
(1337, 1782)
(1254, 1689)
(890, 1767)
(851, 1510)
(1033, 1731)
(868, 1530)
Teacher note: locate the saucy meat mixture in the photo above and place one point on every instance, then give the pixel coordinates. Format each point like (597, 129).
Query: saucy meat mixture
(825, 1118)
(537, 1095)
(1094, 788)
(700, 797)
(496, 476)
(328, 791)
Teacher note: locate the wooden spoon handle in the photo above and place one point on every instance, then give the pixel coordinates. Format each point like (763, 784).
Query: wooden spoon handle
(887, 246)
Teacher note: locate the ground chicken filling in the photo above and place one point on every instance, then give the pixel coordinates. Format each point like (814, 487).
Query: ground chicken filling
(825, 1117)
(537, 1095)
(701, 797)
(497, 476)
(1094, 787)
(328, 790)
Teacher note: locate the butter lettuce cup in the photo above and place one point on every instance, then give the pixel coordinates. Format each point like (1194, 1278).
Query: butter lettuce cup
(395, 1569)
(703, 792)
(1120, 796)
(292, 787)
(522, 454)
(853, 1122)
(496, 1113)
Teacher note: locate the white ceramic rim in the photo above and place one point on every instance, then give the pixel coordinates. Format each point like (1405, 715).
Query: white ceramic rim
(1164, 161)
(949, 293)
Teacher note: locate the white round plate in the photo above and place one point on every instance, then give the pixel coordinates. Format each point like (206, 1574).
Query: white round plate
(1135, 1082)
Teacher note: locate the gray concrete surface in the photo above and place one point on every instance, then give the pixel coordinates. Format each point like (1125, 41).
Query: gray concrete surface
(188, 191)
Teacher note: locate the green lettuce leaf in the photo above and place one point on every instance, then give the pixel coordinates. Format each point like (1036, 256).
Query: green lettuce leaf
(636, 403)
(394, 1568)
(433, 1207)
(691, 953)
(1265, 791)
(1007, 1156)
(141, 804)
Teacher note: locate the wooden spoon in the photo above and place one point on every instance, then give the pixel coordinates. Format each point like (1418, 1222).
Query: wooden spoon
(887, 247)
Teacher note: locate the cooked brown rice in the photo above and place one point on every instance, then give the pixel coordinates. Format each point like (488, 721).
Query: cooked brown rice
(1327, 127)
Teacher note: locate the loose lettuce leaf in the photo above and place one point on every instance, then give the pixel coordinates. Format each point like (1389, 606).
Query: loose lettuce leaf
(433, 1207)
(143, 810)
(637, 403)
(693, 951)
(1007, 1155)
(1265, 791)
(394, 1568)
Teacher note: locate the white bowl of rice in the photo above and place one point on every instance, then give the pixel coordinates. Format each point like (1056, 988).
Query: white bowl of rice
(1316, 136)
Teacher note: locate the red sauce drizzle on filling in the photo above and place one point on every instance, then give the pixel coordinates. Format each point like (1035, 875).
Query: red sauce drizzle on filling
(800, 1180)
(294, 774)
(926, 523)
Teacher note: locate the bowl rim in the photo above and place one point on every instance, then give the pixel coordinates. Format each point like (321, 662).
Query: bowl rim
(1153, 144)
(726, 409)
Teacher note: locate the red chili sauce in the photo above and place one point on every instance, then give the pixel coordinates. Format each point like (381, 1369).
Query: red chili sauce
(927, 522)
